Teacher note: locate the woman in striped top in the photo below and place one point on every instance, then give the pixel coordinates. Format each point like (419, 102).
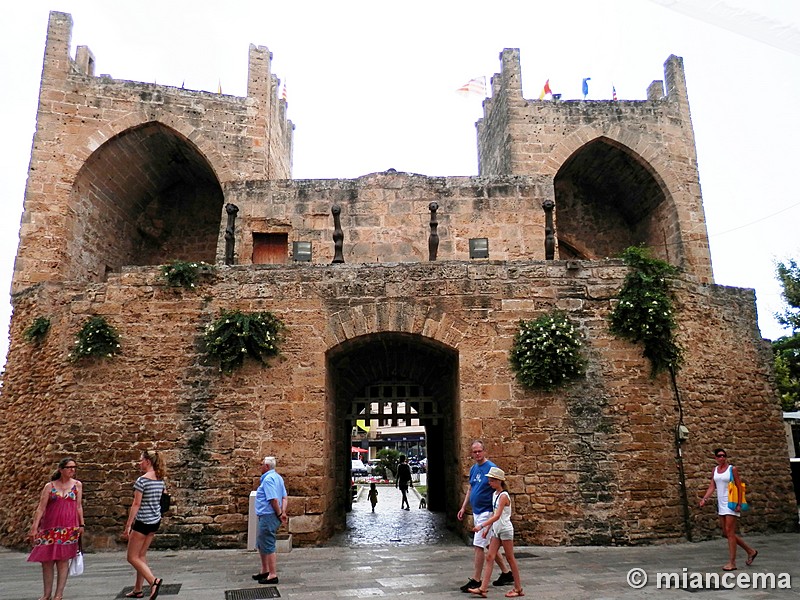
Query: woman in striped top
(143, 521)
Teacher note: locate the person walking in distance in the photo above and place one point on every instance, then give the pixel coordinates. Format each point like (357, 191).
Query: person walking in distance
(403, 480)
(271, 503)
(373, 495)
(479, 496)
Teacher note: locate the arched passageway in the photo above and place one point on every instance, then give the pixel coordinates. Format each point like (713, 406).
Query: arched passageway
(609, 198)
(392, 379)
(145, 197)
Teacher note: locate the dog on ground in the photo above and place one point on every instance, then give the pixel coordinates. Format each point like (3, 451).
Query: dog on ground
(423, 503)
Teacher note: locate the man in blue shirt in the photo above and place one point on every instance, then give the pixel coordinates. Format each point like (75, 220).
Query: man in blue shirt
(480, 497)
(271, 501)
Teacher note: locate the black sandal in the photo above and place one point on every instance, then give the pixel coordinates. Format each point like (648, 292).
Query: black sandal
(155, 587)
(135, 594)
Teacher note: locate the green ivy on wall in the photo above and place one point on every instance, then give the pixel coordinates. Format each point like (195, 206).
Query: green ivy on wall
(95, 338)
(645, 313)
(547, 352)
(36, 331)
(235, 335)
(182, 273)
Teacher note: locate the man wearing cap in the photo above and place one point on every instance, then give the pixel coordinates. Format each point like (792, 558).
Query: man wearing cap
(480, 497)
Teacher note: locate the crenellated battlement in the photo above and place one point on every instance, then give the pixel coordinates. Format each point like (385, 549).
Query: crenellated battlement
(640, 153)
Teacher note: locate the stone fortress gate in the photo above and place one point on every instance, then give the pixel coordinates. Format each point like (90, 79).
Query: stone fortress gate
(127, 176)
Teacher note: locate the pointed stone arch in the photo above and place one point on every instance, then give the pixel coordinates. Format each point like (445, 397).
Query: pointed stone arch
(610, 196)
(108, 131)
(147, 195)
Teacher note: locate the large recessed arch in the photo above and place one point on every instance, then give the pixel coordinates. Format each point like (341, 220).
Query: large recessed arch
(608, 198)
(144, 197)
(396, 358)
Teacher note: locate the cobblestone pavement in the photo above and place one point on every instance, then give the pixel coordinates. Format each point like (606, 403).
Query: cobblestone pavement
(390, 525)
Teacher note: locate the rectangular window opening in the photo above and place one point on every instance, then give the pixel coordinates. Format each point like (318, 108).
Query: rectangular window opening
(270, 248)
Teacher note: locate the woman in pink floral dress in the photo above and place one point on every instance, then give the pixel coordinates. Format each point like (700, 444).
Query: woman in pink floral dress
(57, 527)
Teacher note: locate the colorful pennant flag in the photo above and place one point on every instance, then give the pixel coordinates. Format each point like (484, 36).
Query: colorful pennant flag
(474, 87)
(283, 92)
(585, 87)
(613, 93)
(545, 90)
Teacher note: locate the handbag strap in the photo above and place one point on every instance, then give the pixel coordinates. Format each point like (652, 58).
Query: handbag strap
(731, 471)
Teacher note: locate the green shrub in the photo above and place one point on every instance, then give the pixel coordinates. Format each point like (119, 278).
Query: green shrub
(36, 331)
(644, 312)
(235, 335)
(547, 352)
(96, 338)
(182, 273)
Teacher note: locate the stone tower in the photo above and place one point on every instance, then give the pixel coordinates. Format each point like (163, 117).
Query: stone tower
(127, 176)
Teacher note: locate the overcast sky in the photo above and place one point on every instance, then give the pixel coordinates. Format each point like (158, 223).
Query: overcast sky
(371, 86)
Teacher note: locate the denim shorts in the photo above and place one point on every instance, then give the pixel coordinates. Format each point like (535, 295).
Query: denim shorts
(266, 540)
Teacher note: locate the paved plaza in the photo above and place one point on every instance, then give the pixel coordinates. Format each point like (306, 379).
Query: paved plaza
(394, 553)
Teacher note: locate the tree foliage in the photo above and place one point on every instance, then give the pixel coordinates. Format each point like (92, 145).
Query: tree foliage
(390, 458)
(786, 349)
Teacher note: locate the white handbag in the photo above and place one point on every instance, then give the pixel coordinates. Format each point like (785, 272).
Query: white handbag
(76, 564)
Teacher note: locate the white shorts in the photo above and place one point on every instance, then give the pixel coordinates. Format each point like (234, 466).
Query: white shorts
(477, 538)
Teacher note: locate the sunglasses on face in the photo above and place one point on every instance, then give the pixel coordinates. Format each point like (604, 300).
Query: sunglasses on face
(722, 456)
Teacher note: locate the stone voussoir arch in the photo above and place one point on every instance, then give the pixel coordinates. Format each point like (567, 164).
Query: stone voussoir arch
(393, 317)
(218, 164)
(651, 154)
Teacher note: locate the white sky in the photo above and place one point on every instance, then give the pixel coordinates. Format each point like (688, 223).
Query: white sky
(371, 86)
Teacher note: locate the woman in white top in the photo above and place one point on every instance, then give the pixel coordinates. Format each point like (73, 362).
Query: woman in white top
(502, 533)
(727, 516)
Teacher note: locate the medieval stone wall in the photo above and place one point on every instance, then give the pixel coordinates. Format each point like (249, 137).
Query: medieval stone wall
(385, 217)
(80, 112)
(534, 137)
(590, 463)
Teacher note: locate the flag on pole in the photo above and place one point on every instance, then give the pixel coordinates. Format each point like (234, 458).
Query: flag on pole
(585, 87)
(545, 90)
(613, 93)
(283, 92)
(474, 87)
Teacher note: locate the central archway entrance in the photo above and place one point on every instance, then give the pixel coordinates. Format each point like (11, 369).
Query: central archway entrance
(395, 380)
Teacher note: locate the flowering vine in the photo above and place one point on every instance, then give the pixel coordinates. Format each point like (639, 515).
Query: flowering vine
(547, 352)
(645, 312)
(182, 273)
(96, 338)
(235, 335)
